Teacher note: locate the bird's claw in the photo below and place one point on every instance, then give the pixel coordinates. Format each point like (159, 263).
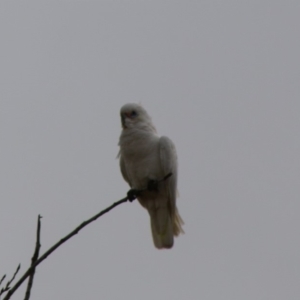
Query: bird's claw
(152, 185)
(132, 194)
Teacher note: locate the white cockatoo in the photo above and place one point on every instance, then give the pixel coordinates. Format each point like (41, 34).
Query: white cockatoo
(149, 164)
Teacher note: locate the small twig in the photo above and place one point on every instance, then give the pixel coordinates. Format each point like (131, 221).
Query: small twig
(132, 194)
(34, 258)
(7, 287)
(166, 177)
(2, 279)
(59, 243)
(14, 276)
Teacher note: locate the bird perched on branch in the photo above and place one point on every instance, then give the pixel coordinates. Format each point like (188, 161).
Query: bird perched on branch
(149, 164)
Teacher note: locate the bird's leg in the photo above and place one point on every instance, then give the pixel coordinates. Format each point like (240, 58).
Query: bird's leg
(153, 184)
(132, 194)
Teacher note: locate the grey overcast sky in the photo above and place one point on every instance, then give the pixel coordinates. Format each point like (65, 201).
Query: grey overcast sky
(220, 78)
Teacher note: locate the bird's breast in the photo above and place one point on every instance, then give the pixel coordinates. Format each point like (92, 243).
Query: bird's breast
(142, 163)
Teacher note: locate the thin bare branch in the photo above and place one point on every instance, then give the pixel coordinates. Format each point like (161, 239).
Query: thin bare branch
(131, 195)
(59, 243)
(7, 286)
(3, 277)
(15, 274)
(34, 258)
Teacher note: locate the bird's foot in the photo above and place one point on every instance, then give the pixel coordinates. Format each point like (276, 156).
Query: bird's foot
(132, 194)
(153, 184)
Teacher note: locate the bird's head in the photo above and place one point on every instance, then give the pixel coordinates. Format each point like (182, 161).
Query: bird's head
(135, 116)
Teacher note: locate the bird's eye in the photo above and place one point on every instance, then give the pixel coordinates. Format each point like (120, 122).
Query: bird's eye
(133, 113)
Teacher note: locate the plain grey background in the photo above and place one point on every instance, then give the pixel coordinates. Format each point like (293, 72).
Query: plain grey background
(220, 78)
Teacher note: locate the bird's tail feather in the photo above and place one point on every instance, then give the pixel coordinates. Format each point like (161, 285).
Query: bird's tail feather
(161, 227)
(178, 222)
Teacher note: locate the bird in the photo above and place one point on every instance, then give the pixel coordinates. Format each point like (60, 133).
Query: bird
(148, 163)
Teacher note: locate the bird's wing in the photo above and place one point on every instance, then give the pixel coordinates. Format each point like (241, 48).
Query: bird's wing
(123, 170)
(168, 161)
